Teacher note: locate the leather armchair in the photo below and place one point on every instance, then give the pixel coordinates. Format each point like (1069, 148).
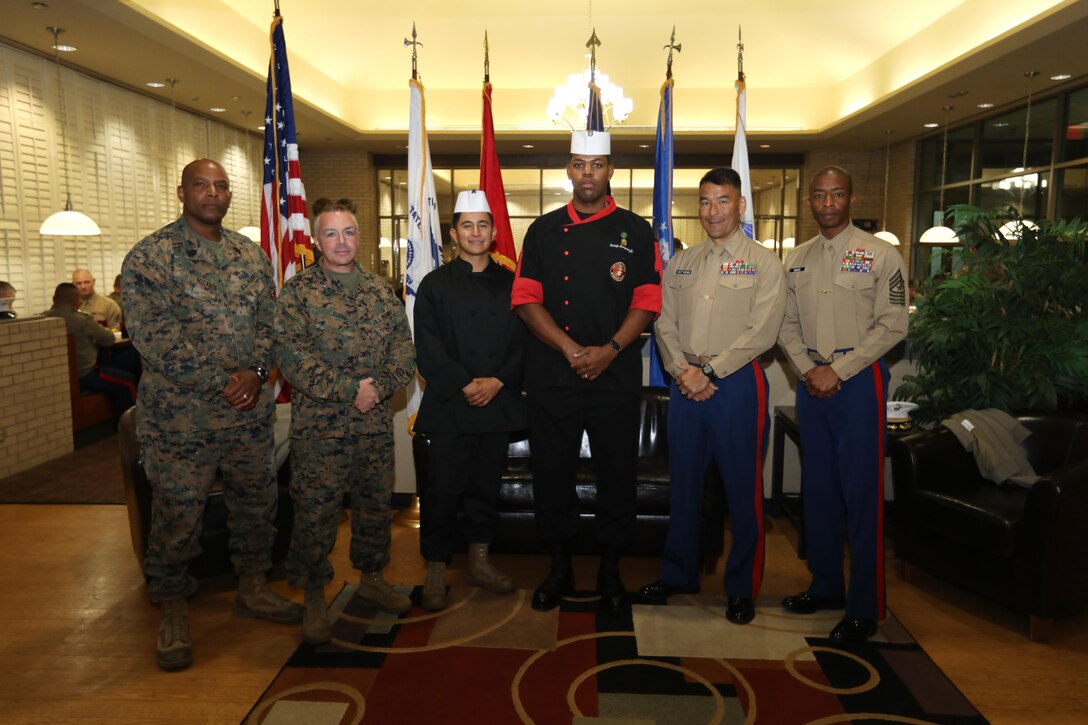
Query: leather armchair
(516, 531)
(214, 558)
(1022, 547)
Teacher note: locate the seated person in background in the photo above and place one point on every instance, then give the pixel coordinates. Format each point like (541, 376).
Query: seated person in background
(116, 294)
(7, 301)
(89, 336)
(104, 310)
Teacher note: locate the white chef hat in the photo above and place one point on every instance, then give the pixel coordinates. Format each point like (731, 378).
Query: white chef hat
(591, 143)
(472, 200)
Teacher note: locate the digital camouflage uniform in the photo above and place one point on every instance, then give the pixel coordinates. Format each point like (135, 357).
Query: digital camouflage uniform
(328, 338)
(197, 313)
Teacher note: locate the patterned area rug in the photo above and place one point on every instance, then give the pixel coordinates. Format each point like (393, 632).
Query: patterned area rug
(492, 659)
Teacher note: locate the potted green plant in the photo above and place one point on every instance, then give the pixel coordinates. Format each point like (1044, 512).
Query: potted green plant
(1010, 329)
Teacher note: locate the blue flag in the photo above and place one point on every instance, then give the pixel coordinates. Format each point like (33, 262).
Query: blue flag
(663, 163)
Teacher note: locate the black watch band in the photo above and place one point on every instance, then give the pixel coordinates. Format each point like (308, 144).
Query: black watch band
(709, 371)
(261, 372)
(615, 345)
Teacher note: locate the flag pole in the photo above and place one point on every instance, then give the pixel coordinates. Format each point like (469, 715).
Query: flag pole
(409, 516)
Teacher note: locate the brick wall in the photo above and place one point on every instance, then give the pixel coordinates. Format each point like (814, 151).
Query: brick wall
(35, 402)
(867, 170)
(338, 174)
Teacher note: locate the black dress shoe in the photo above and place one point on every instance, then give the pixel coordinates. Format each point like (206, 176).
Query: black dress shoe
(560, 581)
(805, 603)
(853, 629)
(659, 591)
(740, 610)
(610, 586)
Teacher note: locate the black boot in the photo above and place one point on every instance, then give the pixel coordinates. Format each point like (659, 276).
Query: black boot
(560, 581)
(609, 584)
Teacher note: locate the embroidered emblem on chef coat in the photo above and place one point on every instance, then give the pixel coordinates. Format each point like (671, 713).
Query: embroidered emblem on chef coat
(618, 271)
(738, 266)
(857, 260)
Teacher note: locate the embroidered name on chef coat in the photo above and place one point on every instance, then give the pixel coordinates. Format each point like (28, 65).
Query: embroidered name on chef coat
(857, 260)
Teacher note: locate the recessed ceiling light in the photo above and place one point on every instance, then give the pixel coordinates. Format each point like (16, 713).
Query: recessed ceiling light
(764, 145)
(235, 98)
(986, 105)
(65, 48)
(39, 6)
(260, 128)
(930, 125)
(194, 98)
(155, 84)
(527, 146)
(1060, 77)
(1000, 125)
(644, 145)
(217, 109)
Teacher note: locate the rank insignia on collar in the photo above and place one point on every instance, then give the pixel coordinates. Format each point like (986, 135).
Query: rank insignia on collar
(857, 260)
(618, 271)
(738, 266)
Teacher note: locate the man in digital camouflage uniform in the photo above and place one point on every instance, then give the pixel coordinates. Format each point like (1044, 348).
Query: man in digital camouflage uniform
(342, 340)
(200, 308)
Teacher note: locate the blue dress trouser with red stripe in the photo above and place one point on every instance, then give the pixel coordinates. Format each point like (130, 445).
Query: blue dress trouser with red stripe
(842, 443)
(731, 427)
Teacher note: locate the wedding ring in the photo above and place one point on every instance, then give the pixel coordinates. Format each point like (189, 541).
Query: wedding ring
(245, 396)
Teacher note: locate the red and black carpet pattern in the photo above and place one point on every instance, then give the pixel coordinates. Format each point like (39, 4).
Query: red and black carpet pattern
(492, 659)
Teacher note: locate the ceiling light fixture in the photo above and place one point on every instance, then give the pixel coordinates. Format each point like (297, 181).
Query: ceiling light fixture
(1012, 229)
(1060, 77)
(884, 233)
(155, 84)
(217, 109)
(66, 222)
(570, 103)
(930, 125)
(987, 104)
(63, 48)
(939, 233)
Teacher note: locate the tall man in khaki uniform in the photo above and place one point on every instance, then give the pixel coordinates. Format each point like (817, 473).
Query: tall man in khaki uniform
(200, 307)
(722, 306)
(104, 310)
(342, 340)
(846, 307)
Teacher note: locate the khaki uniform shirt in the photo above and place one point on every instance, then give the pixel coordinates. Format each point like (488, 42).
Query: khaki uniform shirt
(197, 313)
(328, 338)
(88, 336)
(846, 292)
(103, 309)
(723, 302)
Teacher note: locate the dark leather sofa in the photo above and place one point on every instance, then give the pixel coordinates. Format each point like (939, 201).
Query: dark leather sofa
(517, 529)
(214, 558)
(1018, 546)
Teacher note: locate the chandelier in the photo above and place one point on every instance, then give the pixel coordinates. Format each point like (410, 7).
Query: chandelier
(570, 104)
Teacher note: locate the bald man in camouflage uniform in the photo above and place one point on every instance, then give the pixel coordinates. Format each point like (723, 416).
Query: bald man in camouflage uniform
(200, 309)
(343, 342)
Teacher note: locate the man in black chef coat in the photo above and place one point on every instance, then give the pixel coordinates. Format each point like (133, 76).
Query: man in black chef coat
(469, 349)
(588, 283)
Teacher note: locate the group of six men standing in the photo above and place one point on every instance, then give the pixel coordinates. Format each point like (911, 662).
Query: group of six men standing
(200, 309)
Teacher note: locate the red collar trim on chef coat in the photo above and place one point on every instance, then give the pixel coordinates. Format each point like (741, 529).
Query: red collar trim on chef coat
(609, 207)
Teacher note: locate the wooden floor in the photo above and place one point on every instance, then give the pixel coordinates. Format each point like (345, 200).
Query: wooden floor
(77, 642)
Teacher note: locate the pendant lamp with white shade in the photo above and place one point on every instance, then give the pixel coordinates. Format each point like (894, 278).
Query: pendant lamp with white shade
(939, 233)
(884, 233)
(68, 223)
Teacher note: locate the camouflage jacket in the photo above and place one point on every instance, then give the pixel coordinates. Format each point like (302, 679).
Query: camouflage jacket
(328, 338)
(195, 320)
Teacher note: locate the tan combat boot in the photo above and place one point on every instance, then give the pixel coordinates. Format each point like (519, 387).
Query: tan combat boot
(483, 574)
(375, 591)
(434, 587)
(315, 620)
(174, 650)
(255, 599)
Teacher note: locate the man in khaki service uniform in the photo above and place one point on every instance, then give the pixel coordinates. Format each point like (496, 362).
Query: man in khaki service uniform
(200, 310)
(722, 307)
(846, 307)
(100, 307)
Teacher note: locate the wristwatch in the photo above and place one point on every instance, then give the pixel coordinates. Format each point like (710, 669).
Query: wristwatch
(615, 345)
(261, 372)
(709, 372)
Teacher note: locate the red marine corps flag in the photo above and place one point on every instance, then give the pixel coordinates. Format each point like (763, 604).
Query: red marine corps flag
(285, 228)
(491, 179)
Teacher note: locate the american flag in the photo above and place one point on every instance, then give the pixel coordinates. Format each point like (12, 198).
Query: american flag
(285, 227)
